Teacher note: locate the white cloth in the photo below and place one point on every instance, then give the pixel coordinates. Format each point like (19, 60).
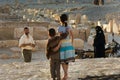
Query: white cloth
(26, 40)
(99, 23)
(63, 29)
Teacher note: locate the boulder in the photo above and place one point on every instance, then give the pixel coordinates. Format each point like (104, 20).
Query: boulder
(106, 37)
(115, 27)
(6, 33)
(76, 33)
(11, 43)
(56, 17)
(105, 27)
(78, 43)
(84, 33)
(15, 49)
(54, 25)
(90, 40)
(84, 19)
(4, 56)
(72, 16)
(78, 18)
(108, 1)
(81, 33)
(72, 22)
(15, 56)
(8, 43)
(109, 27)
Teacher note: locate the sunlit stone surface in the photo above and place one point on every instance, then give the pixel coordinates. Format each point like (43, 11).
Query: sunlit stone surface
(39, 70)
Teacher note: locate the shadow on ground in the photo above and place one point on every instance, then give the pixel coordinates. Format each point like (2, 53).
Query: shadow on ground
(109, 77)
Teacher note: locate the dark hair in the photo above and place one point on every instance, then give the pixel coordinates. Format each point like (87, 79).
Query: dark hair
(26, 28)
(63, 19)
(52, 32)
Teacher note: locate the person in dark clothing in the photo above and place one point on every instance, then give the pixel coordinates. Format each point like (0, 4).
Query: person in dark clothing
(99, 2)
(99, 43)
(96, 2)
(52, 55)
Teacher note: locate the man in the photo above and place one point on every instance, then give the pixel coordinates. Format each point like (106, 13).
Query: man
(26, 43)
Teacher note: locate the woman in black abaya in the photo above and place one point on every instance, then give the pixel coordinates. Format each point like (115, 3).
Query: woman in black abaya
(99, 43)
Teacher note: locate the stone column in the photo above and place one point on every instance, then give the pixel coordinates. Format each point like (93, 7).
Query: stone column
(78, 18)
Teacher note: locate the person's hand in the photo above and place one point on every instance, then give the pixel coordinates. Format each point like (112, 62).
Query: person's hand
(23, 45)
(55, 49)
(30, 44)
(33, 45)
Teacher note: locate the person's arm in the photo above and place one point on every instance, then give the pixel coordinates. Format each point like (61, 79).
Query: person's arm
(57, 48)
(33, 45)
(28, 44)
(47, 50)
(71, 35)
(23, 45)
(21, 42)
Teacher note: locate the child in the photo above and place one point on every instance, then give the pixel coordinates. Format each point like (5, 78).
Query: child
(54, 57)
(67, 51)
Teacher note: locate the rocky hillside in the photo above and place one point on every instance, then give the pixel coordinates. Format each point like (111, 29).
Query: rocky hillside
(37, 11)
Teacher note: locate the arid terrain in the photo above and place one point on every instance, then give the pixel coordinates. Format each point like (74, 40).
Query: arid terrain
(39, 17)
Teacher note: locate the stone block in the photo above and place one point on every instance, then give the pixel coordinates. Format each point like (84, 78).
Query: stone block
(6, 33)
(4, 56)
(81, 33)
(56, 17)
(78, 43)
(84, 19)
(54, 25)
(8, 43)
(76, 33)
(78, 18)
(106, 37)
(15, 49)
(15, 56)
(41, 44)
(40, 33)
(72, 16)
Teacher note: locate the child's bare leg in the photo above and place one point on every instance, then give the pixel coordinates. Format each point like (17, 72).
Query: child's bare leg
(65, 69)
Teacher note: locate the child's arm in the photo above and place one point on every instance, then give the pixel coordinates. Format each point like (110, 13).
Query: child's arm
(57, 48)
(47, 50)
(71, 35)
